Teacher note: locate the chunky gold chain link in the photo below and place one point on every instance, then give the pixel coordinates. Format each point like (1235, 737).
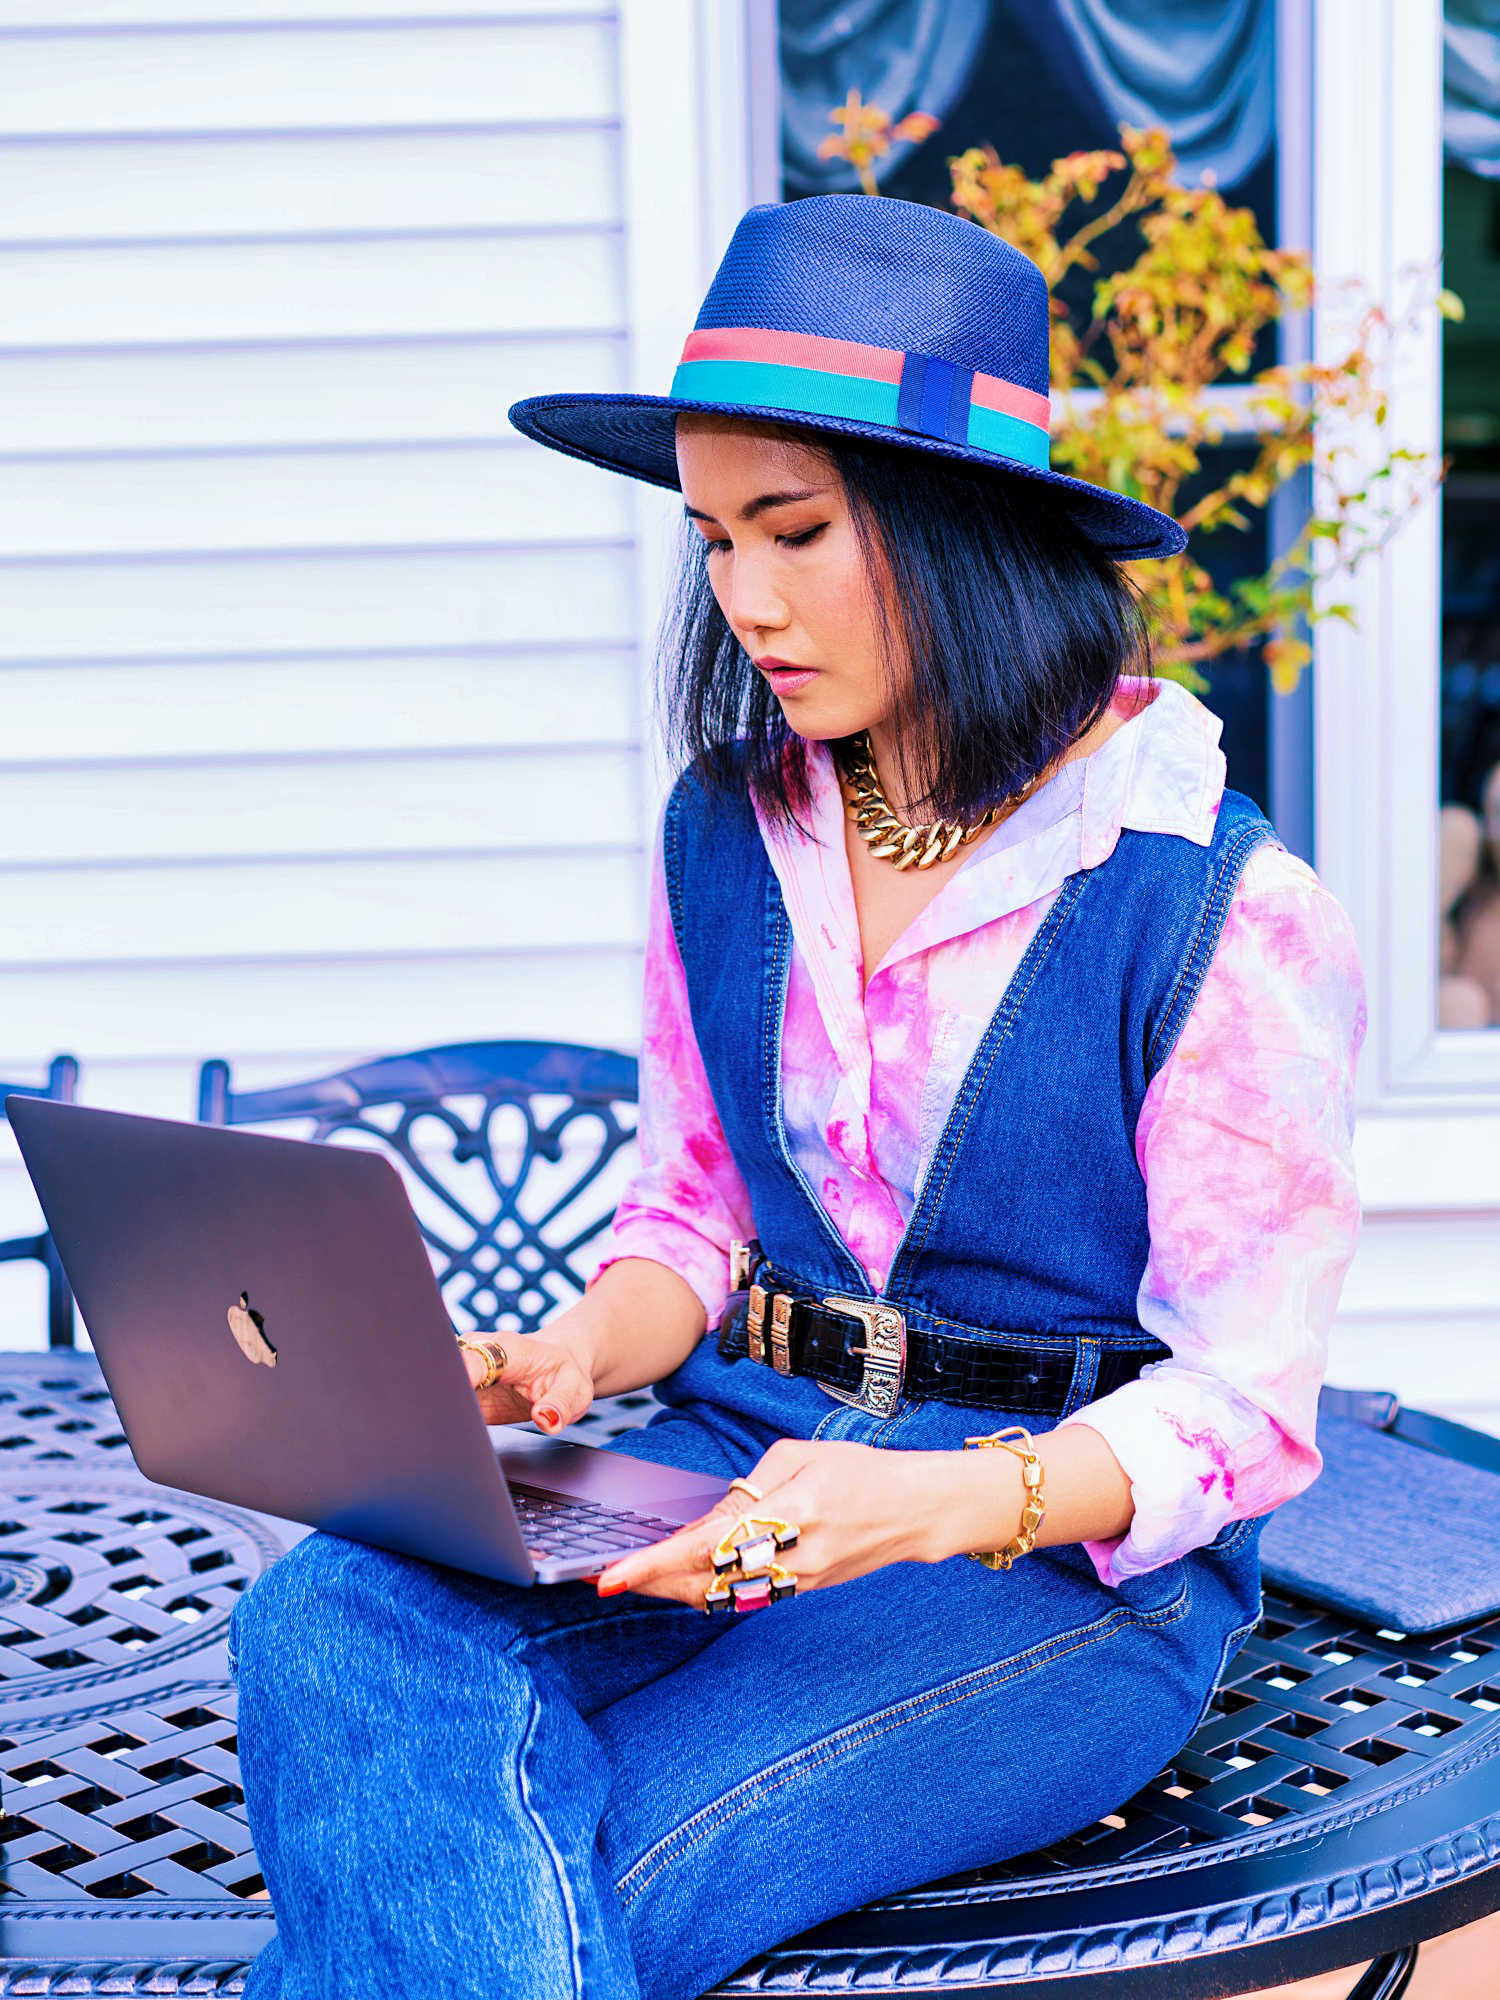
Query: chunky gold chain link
(891, 839)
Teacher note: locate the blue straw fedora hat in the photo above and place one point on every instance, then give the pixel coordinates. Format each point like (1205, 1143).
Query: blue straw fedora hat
(867, 318)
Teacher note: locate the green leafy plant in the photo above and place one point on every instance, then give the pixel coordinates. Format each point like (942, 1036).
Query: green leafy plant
(1138, 385)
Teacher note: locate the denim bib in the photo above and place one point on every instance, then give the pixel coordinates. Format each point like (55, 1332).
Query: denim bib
(1030, 1224)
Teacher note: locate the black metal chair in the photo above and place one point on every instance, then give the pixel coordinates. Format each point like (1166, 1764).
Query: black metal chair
(61, 1084)
(507, 1148)
(513, 1153)
(1340, 1802)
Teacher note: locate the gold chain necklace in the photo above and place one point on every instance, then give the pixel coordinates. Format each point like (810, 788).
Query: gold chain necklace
(892, 839)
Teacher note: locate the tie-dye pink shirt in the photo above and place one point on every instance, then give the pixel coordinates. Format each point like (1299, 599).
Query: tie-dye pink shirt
(1243, 1140)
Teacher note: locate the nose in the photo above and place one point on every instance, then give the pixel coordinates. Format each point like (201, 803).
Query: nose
(755, 605)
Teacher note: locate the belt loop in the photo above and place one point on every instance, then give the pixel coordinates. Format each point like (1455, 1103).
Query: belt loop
(1085, 1375)
(755, 1323)
(781, 1332)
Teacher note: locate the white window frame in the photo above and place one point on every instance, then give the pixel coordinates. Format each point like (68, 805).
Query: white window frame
(700, 116)
(1430, 1100)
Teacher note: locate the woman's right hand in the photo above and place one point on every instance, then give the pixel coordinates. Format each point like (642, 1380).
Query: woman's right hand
(636, 1323)
(543, 1380)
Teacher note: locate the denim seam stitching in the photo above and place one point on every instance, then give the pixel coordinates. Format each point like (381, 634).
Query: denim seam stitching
(672, 866)
(916, 1708)
(559, 1870)
(1238, 1538)
(770, 1077)
(522, 1643)
(996, 1035)
(1088, 1353)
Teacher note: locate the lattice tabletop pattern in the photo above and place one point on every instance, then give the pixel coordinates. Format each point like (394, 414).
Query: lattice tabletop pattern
(55, 1406)
(128, 1867)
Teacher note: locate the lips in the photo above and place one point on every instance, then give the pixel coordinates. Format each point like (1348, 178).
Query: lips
(785, 676)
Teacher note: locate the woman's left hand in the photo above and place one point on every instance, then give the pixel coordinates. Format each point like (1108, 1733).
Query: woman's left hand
(855, 1508)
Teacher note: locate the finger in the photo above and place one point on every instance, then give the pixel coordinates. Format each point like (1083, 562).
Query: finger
(684, 1554)
(686, 1558)
(540, 1382)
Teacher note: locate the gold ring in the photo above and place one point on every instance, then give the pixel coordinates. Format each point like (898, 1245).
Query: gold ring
(749, 1593)
(752, 1545)
(497, 1357)
(487, 1355)
(745, 1486)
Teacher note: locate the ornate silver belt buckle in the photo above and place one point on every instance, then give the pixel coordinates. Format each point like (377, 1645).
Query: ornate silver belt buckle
(883, 1354)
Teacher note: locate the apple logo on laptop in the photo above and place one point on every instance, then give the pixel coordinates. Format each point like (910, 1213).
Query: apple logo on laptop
(249, 1330)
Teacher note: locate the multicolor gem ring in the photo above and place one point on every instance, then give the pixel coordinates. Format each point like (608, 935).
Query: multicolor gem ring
(747, 1575)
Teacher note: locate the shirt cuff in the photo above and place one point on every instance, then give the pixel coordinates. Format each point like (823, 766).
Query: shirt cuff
(1179, 1447)
(666, 1239)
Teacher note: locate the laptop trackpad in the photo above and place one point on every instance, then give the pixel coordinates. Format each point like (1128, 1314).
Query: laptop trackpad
(584, 1472)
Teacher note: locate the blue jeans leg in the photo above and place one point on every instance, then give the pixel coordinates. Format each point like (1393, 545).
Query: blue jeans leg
(423, 1788)
(459, 1789)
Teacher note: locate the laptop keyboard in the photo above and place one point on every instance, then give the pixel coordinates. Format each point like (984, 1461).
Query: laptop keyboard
(555, 1525)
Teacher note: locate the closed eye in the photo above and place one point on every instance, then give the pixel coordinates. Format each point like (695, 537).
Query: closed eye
(800, 541)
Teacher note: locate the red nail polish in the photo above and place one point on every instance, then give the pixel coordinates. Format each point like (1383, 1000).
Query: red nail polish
(611, 1589)
(548, 1417)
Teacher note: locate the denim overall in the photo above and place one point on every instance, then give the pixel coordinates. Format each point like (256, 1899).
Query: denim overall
(1031, 1225)
(463, 1788)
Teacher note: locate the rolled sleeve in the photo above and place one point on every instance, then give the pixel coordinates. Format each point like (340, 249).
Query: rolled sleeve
(1245, 1142)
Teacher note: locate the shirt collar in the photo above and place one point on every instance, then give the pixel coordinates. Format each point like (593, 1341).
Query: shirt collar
(1161, 772)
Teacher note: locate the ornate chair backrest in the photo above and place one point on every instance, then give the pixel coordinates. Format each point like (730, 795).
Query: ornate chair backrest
(513, 1154)
(62, 1086)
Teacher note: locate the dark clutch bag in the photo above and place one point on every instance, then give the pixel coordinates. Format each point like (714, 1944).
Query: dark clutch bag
(1402, 1527)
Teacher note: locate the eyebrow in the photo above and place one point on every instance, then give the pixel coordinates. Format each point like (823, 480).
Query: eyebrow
(759, 506)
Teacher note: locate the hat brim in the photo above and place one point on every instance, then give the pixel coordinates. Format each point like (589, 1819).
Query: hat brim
(637, 435)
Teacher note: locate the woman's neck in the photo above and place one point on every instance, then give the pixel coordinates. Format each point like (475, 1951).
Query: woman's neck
(887, 763)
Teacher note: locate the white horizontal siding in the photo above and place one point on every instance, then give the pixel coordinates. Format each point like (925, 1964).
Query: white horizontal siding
(306, 76)
(475, 282)
(315, 908)
(307, 184)
(55, 14)
(310, 705)
(410, 497)
(237, 808)
(146, 1026)
(1419, 1314)
(161, 605)
(319, 710)
(347, 391)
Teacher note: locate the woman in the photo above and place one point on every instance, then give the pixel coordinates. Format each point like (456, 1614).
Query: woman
(996, 1072)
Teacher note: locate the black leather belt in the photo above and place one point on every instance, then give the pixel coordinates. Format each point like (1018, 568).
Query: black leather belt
(866, 1353)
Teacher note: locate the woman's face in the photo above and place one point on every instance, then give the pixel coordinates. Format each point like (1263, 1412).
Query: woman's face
(787, 569)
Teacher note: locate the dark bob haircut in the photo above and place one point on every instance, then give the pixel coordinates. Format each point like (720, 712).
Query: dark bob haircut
(1016, 629)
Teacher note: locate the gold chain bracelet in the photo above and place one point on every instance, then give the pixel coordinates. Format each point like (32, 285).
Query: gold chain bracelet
(1033, 1476)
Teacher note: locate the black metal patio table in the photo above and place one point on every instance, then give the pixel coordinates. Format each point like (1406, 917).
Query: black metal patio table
(1339, 1803)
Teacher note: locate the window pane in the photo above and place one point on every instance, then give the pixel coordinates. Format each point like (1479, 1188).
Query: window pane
(1469, 946)
(1036, 79)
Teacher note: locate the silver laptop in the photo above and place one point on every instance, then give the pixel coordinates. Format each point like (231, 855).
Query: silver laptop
(272, 1334)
